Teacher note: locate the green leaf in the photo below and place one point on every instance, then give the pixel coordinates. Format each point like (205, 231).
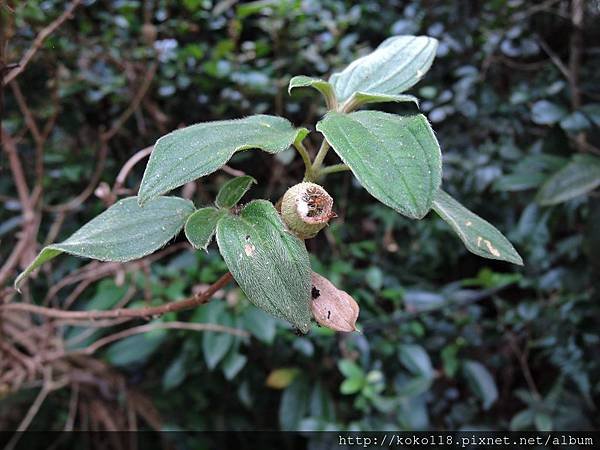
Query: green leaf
(232, 364)
(215, 345)
(396, 158)
(374, 278)
(416, 360)
(321, 403)
(198, 150)
(260, 324)
(322, 86)
(592, 112)
(578, 177)
(135, 349)
(575, 122)
(270, 264)
(521, 421)
(175, 373)
(362, 98)
(414, 386)
(200, 227)
(544, 112)
(396, 65)
(121, 233)
(530, 172)
(350, 369)
(294, 404)
(232, 191)
(479, 236)
(543, 422)
(481, 382)
(352, 385)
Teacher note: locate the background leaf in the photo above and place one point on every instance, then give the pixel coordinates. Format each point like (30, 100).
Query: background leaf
(232, 191)
(136, 349)
(198, 150)
(396, 158)
(544, 112)
(478, 235)
(578, 177)
(215, 345)
(481, 382)
(294, 404)
(123, 232)
(416, 360)
(270, 264)
(396, 65)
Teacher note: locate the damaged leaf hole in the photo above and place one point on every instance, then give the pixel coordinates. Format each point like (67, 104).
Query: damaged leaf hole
(315, 293)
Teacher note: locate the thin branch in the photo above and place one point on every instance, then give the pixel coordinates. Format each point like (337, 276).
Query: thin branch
(130, 164)
(47, 387)
(150, 311)
(70, 422)
(93, 348)
(232, 171)
(39, 40)
(137, 99)
(522, 356)
(333, 169)
(555, 59)
(29, 220)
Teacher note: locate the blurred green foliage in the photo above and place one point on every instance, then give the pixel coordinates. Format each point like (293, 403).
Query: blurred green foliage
(449, 340)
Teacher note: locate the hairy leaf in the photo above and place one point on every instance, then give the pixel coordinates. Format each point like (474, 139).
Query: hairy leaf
(198, 150)
(396, 65)
(478, 235)
(363, 98)
(232, 191)
(322, 86)
(123, 232)
(396, 158)
(270, 264)
(578, 177)
(200, 227)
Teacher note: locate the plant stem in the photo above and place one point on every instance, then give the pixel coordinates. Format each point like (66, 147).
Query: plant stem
(333, 169)
(318, 162)
(305, 157)
(131, 313)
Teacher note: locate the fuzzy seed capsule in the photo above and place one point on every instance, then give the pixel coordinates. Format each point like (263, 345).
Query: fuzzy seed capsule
(306, 209)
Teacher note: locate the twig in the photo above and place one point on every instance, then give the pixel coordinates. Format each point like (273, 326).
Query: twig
(47, 387)
(555, 59)
(334, 168)
(130, 164)
(575, 47)
(39, 40)
(522, 356)
(72, 407)
(93, 348)
(232, 171)
(151, 311)
(138, 97)
(29, 222)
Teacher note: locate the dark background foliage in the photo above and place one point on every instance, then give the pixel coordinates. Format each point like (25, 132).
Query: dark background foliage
(448, 340)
